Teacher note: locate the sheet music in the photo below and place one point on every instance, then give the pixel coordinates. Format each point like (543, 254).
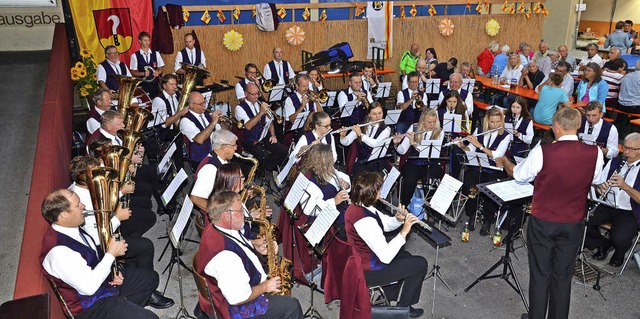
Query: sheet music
(159, 117)
(432, 86)
(511, 190)
(509, 128)
(392, 117)
(429, 148)
(276, 93)
(298, 123)
(480, 159)
(383, 90)
(285, 170)
(164, 163)
(588, 139)
(296, 192)
(331, 100)
(389, 181)
(348, 108)
(379, 151)
(327, 214)
(444, 195)
(468, 84)
(451, 123)
(181, 221)
(173, 186)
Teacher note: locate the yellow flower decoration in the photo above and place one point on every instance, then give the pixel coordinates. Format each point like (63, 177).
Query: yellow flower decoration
(79, 65)
(95, 77)
(84, 93)
(492, 27)
(88, 86)
(295, 35)
(82, 73)
(85, 53)
(233, 40)
(74, 77)
(74, 71)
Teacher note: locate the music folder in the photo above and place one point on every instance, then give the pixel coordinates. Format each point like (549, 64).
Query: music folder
(480, 160)
(429, 149)
(451, 123)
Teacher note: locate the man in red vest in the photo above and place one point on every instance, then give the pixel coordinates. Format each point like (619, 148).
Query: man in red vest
(563, 173)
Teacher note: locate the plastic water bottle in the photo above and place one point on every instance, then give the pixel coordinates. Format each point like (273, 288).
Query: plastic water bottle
(464, 236)
(497, 238)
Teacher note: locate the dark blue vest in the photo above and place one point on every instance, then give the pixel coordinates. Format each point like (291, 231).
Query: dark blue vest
(375, 262)
(601, 140)
(463, 93)
(186, 59)
(518, 147)
(330, 191)
(492, 147)
(153, 62)
(413, 154)
(364, 150)
(408, 115)
(111, 81)
(358, 113)
(197, 151)
(274, 72)
(296, 103)
(253, 135)
(312, 138)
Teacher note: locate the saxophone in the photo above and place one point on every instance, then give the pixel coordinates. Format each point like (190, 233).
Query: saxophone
(278, 266)
(244, 195)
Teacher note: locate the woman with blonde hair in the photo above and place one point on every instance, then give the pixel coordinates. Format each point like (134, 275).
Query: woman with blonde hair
(415, 168)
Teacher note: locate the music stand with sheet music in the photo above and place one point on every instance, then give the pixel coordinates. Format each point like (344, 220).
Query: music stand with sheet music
(468, 85)
(392, 117)
(169, 200)
(299, 122)
(481, 161)
(175, 235)
(384, 88)
(505, 194)
(378, 153)
(428, 150)
(348, 108)
(331, 101)
(432, 86)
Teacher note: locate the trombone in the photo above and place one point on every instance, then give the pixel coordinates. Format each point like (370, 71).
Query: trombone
(322, 96)
(265, 85)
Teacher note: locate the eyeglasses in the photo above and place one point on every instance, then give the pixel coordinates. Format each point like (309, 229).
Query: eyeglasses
(631, 149)
(232, 145)
(194, 103)
(112, 53)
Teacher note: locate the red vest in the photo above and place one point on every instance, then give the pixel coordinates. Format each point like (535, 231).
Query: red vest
(562, 186)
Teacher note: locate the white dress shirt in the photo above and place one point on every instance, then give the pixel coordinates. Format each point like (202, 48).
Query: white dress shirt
(240, 89)
(467, 101)
(192, 59)
(101, 73)
(368, 137)
(227, 268)
(190, 130)
(302, 141)
(203, 186)
(316, 195)
(267, 71)
(400, 99)
(488, 140)
(343, 99)
(527, 138)
(527, 170)
(93, 124)
(619, 197)
(241, 115)
(115, 140)
(90, 225)
(371, 233)
(405, 144)
(133, 64)
(159, 108)
(68, 265)
(612, 139)
(290, 109)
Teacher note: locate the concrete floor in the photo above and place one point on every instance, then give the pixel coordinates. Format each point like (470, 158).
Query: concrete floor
(461, 262)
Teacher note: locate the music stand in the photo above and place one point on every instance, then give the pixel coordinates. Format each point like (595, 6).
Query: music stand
(168, 200)
(428, 150)
(481, 161)
(501, 201)
(331, 100)
(392, 117)
(177, 232)
(348, 108)
(299, 122)
(384, 88)
(432, 86)
(468, 84)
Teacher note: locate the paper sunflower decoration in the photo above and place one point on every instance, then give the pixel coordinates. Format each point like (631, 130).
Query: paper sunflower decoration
(233, 40)
(446, 27)
(295, 35)
(492, 27)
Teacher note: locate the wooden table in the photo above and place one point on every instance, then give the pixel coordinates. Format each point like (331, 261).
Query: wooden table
(519, 90)
(384, 71)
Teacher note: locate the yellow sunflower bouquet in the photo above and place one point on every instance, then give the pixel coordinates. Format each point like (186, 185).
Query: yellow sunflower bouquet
(83, 74)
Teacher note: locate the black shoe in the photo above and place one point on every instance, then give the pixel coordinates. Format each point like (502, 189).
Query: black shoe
(158, 301)
(615, 262)
(524, 316)
(601, 253)
(415, 312)
(484, 231)
(472, 224)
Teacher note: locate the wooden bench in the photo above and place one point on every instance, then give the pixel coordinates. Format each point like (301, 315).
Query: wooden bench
(635, 122)
(540, 126)
(481, 105)
(630, 115)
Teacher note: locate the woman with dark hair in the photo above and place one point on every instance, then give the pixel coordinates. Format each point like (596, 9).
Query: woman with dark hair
(230, 178)
(452, 103)
(368, 138)
(592, 87)
(318, 126)
(520, 119)
(384, 262)
(316, 81)
(431, 57)
(427, 129)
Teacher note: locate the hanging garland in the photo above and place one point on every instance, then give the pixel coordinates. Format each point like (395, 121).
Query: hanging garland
(233, 40)
(446, 27)
(295, 35)
(492, 27)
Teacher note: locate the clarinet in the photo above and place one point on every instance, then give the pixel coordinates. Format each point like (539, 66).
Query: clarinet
(608, 190)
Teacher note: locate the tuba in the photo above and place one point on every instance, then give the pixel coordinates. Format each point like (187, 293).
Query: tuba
(278, 266)
(112, 156)
(126, 89)
(130, 140)
(191, 77)
(100, 183)
(137, 118)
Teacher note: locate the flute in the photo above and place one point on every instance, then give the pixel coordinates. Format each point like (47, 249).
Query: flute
(359, 125)
(476, 135)
(403, 212)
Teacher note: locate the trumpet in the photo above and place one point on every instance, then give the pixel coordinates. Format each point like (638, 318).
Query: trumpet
(364, 100)
(272, 115)
(230, 121)
(322, 96)
(417, 95)
(403, 212)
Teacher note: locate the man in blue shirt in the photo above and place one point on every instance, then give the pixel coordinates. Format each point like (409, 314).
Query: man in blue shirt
(550, 96)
